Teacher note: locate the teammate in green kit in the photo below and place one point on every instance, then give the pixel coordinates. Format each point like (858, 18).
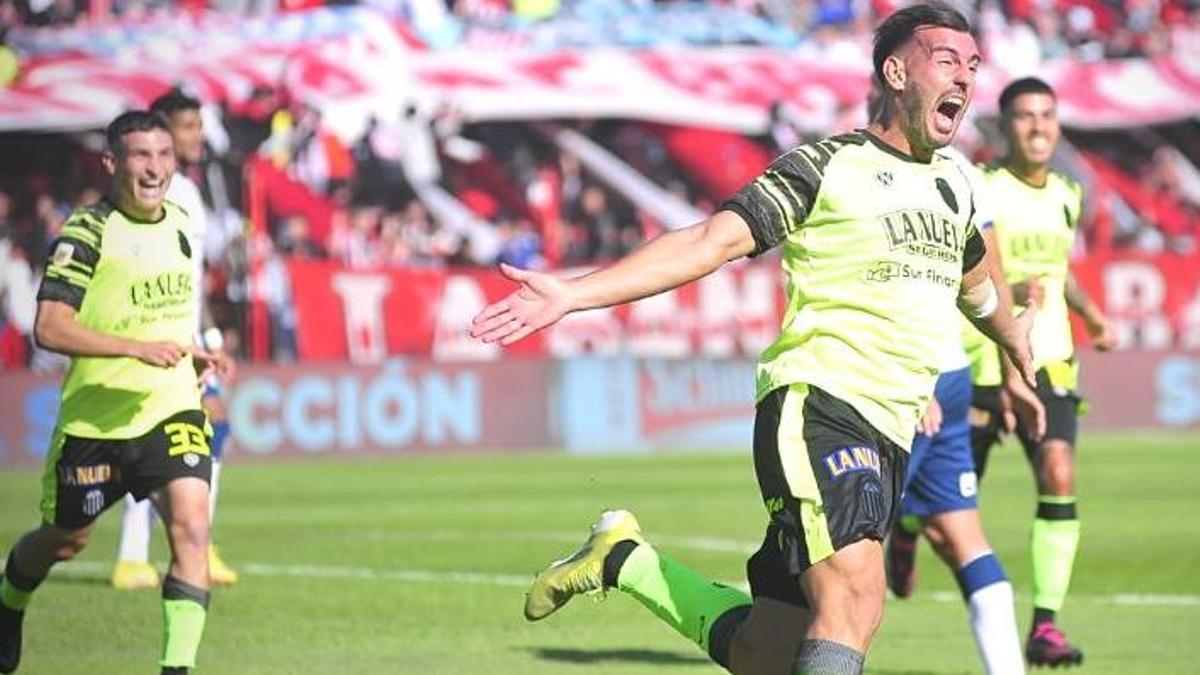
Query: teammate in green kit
(880, 250)
(1036, 213)
(117, 298)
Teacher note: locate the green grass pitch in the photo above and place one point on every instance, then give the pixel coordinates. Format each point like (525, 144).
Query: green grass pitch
(418, 565)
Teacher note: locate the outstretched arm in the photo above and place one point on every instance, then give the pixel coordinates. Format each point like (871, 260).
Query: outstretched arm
(665, 262)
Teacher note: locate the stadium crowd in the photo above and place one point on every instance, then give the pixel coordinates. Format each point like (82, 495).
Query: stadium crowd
(361, 202)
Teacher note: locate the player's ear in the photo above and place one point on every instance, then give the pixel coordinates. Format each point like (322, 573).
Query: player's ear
(894, 72)
(109, 161)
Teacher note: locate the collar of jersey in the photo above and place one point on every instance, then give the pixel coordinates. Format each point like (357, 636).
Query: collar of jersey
(131, 218)
(899, 154)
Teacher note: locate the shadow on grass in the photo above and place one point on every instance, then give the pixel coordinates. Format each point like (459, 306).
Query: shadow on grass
(79, 580)
(649, 656)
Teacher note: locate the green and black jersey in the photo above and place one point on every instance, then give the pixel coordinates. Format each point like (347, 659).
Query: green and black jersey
(131, 279)
(1035, 228)
(874, 245)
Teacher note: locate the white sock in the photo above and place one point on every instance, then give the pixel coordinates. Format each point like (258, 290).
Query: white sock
(994, 625)
(135, 531)
(212, 494)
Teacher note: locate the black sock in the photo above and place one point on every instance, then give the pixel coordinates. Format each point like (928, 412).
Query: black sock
(721, 634)
(615, 558)
(1042, 615)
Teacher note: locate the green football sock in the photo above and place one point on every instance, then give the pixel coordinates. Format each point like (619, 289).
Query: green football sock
(185, 607)
(1055, 541)
(13, 597)
(683, 599)
(16, 588)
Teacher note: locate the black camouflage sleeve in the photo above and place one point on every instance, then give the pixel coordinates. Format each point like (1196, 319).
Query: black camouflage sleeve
(72, 261)
(777, 202)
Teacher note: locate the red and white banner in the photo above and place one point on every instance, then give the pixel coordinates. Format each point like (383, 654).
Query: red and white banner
(356, 63)
(366, 316)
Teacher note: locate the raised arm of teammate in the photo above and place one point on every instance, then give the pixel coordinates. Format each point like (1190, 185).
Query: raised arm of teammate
(57, 329)
(669, 260)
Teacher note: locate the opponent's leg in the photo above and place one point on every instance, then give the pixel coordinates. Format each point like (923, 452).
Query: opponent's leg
(220, 572)
(958, 539)
(133, 569)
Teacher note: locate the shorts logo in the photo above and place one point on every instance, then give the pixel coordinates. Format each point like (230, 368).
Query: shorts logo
(93, 502)
(884, 178)
(191, 459)
(851, 459)
(968, 484)
(871, 499)
(83, 476)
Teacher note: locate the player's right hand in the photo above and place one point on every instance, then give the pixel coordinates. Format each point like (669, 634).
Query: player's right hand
(541, 300)
(164, 353)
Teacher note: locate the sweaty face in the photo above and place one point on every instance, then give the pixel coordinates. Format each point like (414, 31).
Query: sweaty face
(187, 130)
(142, 165)
(939, 66)
(1031, 125)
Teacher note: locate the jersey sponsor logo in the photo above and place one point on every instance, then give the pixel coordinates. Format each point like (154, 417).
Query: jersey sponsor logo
(63, 253)
(1040, 247)
(161, 290)
(185, 247)
(83, 476)
(93, 502)
(852, 459)
(924, 233)
(888, 270)
(947, 194)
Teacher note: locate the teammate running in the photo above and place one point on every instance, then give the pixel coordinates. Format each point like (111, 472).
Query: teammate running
(1036, 214)
(117, 298)
(133, 569)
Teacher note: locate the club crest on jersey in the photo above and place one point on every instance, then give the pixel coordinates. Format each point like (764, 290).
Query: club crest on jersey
(62, 253)
(851, 459)
(884, 178)
(185, 247)
(947, 194)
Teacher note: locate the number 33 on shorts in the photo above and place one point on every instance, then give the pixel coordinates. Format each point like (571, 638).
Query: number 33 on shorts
(188, 440)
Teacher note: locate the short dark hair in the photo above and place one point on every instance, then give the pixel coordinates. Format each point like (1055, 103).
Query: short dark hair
(898, 29)
(1025, 85)
(131, 121)
(174, 101)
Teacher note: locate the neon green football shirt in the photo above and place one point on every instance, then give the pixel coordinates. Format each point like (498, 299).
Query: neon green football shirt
(132, 279)
(1035, 227)
(874, 245)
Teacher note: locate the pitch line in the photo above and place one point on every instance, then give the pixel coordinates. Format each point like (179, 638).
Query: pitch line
(269, 570)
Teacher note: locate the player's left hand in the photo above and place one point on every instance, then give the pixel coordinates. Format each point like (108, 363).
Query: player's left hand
(1104, 336)
(211, 363)
(931, 421)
